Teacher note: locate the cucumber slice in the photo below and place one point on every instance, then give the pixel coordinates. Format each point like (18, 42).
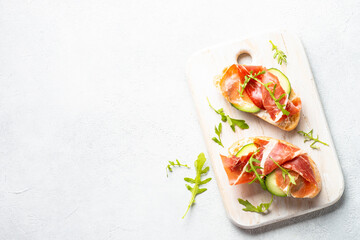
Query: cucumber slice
(271, 186)
(246, 107)
(245, 150)
(284, 81)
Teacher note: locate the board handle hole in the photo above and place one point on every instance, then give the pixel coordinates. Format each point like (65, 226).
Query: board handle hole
(244, 58)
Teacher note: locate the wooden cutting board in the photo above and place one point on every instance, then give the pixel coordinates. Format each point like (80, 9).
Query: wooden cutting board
(201, 69)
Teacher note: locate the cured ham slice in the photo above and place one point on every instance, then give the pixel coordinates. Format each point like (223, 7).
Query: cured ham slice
(301, 165)
(282, 183)
(294, 106)
(278, 152)
(230, 84)
(235, 169)
(253, 88)
(303, 188)
(268, 102)
(274, 150)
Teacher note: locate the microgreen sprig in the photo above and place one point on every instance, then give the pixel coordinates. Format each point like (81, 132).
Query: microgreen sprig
(279, 54)
(218, 132)
(169, 167)
(285, 172)
(195, 190)
(226, 118)
(309, 137)
(247, 79)
(253, 168)
(263, 207)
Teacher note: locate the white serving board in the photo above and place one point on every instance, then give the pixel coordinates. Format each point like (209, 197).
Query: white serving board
(201, 69)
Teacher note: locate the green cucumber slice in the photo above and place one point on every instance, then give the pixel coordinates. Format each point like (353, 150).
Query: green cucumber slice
(245, 150)
(284, 81)
(246, 107)
(272, 187)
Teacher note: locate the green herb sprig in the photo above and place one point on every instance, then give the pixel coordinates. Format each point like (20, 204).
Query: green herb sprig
(253, 168)
(247, 79)
(263, 207)
(285, 172)
(195, 190)
(226, 118)
(279, 54)
(169, 167)
(218, 132)
(309, 137)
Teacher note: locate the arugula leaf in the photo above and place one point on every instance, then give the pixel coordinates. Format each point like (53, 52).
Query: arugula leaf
(309, 137)
(247, 79)
(254, 168)
(195, 190)
(263, 207)
(218, 132)
(231, 121)
(217, 141)
(173, 164)
(285, 172)
(240, 123)
(279, 54)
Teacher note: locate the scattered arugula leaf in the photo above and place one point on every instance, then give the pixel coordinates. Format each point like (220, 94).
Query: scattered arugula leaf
(247, 79)
(199, 163)
(309, 137)
(263, 207)
(226, 118)
(253, 168)
(279, 54)
(285, 172)
(218, 132)
(240, 123)
(173, 164)
(272, 95)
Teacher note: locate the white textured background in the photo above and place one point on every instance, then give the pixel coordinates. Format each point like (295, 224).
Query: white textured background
(94, 102)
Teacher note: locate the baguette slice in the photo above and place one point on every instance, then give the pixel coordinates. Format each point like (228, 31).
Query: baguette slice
(300, 165)
(287, 124)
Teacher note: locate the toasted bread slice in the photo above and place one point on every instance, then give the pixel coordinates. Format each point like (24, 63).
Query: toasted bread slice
(315, 190)
(288, 124)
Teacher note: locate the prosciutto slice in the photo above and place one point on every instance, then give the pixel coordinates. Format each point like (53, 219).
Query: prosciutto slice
(276, 151)
(268, 102)
(285, 185)
(293, 106)
(301, 165)
(255, 92)
(235, 169)
(253, 88)
(230, 84)
(303, 188)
